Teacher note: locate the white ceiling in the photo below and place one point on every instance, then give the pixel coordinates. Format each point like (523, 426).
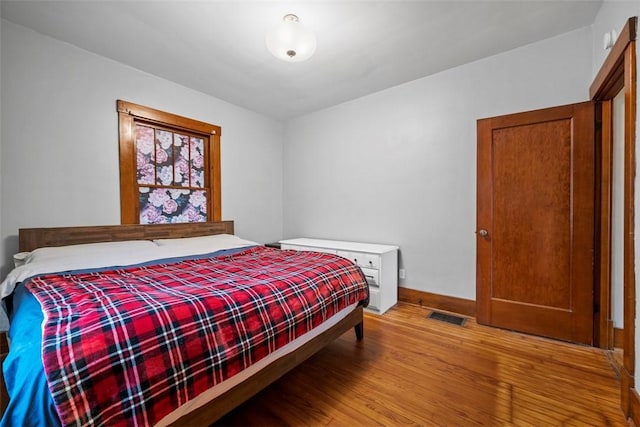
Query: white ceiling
(218, 47)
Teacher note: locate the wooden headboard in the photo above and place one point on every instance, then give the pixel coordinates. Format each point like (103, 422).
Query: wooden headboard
(33, 238)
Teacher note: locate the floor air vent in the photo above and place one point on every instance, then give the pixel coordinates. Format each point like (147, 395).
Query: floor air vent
(449, 318)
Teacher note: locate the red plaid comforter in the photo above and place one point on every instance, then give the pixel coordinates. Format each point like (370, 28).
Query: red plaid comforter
(128, 346)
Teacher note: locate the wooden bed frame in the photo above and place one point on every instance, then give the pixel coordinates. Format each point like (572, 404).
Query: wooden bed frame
(32, 238)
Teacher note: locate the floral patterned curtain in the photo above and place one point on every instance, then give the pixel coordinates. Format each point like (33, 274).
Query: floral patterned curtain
(170, 173)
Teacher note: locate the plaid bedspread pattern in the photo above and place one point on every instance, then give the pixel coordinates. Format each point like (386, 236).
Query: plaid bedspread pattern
(127, 346)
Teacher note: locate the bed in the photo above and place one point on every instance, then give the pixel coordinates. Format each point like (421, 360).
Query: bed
(202, 406)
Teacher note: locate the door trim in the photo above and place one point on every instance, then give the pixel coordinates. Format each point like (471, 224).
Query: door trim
(602, 323)
(619, 73)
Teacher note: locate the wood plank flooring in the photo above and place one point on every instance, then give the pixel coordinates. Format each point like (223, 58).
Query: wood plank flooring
(410, 370)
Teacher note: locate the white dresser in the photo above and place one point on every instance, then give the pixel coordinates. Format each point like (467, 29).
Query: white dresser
(379, 263)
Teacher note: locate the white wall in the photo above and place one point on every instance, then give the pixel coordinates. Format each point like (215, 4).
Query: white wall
(399, 166)
(60, 140)
(613, 15)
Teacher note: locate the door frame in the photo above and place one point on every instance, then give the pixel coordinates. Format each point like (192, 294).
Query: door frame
(618, 73)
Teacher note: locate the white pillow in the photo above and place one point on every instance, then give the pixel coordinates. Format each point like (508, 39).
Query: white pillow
(21, 258)
(204, 244)
(76, 257)
(109, 254)
(89, 251)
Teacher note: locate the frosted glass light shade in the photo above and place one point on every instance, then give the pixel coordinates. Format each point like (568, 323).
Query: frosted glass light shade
(291, 41)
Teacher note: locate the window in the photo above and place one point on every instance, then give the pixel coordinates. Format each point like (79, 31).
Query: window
(169, 167)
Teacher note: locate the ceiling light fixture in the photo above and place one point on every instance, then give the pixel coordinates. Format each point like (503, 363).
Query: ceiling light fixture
(290, 40)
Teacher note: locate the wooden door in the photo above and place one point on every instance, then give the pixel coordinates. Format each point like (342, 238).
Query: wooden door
(535, 230)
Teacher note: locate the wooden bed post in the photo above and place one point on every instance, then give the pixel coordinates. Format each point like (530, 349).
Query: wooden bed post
(359, 328)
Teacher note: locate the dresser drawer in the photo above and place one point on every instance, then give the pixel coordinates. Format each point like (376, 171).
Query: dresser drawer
(374, 299)
(363, 260)
(372, 276)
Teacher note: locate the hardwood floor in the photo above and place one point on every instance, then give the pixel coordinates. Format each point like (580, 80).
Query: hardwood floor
(417, 371)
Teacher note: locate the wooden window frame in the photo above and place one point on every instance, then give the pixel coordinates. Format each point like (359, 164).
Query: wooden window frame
(128, 115)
